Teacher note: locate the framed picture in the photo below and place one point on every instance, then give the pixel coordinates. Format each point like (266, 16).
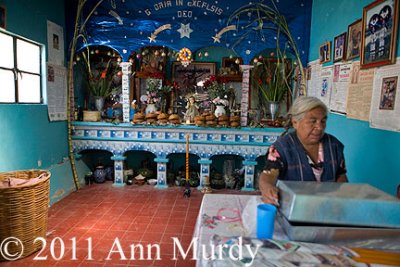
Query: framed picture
(188, 77)
(231, 69)
(379, 33)
(354, 34)
(340, 47)
(2, 17)
(388, 93)
(325, 52)
(152, 61)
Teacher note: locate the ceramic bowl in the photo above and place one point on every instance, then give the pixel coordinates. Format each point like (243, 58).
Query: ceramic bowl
(152, 181)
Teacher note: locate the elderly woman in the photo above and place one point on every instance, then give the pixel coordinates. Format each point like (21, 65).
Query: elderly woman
(305, 154)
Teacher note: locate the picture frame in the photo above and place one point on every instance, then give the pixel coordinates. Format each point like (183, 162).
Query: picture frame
(379, 33)
(388, 93)
(231, 68)
(325, 52)
(152, 61)
(354, 36)
(187, 78)
(3, 17)
(339, 47)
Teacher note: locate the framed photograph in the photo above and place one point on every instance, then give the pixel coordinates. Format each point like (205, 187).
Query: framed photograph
(325, 52)
(188, 77)
(340, 47)
(231, 68)
(379, 33)
(388, 93)
(354, 34)
(2, 17)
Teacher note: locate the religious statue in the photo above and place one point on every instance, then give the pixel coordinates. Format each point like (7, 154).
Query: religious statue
(192, 110)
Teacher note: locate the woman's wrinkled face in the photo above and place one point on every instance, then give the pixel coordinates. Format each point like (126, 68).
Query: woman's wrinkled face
(311, 127)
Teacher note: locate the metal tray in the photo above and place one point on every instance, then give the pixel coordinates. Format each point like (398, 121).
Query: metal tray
(373, 238)
(338, 204)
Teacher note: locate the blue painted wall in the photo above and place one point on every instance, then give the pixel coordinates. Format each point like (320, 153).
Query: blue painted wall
(372, 155)
(26, 135)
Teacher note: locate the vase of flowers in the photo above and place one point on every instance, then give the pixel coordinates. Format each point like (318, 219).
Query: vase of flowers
(151, 98)
(99, 103)
(272, 77)
(150, 108)
(273, 107)
(218, 93)
(103, 80)
(219, 111)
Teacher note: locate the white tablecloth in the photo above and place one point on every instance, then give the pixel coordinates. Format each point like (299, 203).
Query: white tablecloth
(229, 220)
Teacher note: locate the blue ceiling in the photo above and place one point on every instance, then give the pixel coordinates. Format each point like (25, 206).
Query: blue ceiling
(128, 25)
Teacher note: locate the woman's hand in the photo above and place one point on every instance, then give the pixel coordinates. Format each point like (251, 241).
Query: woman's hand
(268, 189)
(270, 195)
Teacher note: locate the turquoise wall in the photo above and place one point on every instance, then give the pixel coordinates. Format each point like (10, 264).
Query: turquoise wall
(372, 155)
(26, 134)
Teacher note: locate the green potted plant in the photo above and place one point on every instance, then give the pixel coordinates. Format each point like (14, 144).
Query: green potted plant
(272, 77)
(101, 78)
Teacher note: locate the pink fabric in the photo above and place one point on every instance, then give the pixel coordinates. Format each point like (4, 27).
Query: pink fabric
(273, 153)
(12, 182)
(318, 171)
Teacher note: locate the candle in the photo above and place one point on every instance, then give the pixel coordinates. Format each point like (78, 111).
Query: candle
(187, 158)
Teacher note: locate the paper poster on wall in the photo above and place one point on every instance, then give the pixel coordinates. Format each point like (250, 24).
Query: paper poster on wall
(339, 87)
(324, 89)
(359, 93)
(55, 44)
(385, 106)
(57, 92)
(313, 78)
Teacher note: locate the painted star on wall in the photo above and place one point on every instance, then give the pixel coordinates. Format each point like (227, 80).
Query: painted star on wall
(185, 30)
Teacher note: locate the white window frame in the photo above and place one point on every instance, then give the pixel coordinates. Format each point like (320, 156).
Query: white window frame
(17, 73)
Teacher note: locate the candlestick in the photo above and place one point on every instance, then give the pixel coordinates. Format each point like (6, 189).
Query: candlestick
(187, 158)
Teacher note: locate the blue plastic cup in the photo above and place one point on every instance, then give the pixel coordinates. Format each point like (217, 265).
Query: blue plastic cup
(265, 221)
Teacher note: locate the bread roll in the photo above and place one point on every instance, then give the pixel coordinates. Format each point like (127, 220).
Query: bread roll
(235, 124)
(235, 118)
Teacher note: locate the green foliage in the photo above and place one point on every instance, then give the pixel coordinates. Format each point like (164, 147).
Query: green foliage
(273, 78)
(100, 81)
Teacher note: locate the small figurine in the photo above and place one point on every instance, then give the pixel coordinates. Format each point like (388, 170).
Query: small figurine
(192, 110)
(132, 111)
(187, 191)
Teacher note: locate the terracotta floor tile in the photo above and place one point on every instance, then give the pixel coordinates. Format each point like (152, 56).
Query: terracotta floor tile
(156, 228)
(136, 215)
(133, 236)
(176, 221)
(175, 229)
(152, 237)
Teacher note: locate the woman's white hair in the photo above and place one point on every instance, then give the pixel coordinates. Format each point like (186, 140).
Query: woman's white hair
(303, 104)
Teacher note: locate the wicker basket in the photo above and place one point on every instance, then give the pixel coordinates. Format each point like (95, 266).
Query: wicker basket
(24, 210)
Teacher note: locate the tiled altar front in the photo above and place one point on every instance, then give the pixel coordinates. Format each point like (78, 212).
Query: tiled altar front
(204, 142)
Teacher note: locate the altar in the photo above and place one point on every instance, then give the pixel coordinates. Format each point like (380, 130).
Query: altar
(205, 142)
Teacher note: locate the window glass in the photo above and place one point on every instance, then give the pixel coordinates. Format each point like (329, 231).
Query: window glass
(28, 56)
(29, 88)
(7, 88)
(6, 51)
(20, 70)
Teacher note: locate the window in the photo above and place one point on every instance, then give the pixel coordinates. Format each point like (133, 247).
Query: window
(20, 70)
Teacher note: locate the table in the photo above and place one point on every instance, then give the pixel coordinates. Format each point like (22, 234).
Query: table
(224, 220)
